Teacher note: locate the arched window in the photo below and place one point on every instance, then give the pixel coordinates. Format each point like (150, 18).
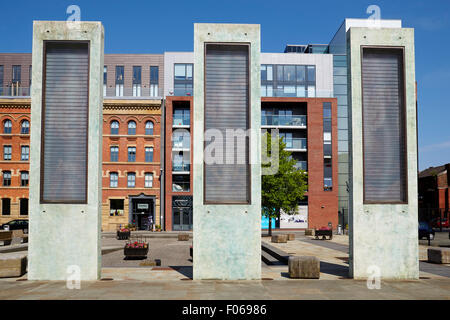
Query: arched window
(7, 125)
(25, 127)
(149, 128)
(131, 127)
(115, 127)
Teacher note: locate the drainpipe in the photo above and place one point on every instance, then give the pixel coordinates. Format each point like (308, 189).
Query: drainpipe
(162, 177)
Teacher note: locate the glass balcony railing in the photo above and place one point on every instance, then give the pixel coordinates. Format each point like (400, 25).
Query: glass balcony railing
(298, 93)
(296, 143)
(15, 91)
(183, 92)
(129, 92)
(180, 187)
(277, 120)
(301, 165)
(184, 120)
(183, 167)
(181, 144)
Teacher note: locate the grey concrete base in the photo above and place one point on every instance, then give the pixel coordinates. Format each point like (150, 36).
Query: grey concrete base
(305, 267)
(439, 255)
(279, 238)
(13, 264)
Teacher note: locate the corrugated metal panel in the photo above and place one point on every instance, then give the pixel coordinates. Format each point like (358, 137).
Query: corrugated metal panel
(227, 107)
(65, 123)
(384, 129)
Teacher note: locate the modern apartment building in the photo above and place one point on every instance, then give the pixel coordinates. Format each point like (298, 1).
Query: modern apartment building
(147, 130)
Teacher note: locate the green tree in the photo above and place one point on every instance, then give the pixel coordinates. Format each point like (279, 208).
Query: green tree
(283, 190)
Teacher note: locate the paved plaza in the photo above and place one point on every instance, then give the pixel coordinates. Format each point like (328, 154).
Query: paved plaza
(134, 279)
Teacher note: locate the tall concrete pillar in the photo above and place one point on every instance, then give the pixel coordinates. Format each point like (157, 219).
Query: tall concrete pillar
(383, 154)
(227, 173)
(66, 151)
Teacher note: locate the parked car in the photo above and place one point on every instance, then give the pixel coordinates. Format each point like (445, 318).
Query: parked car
(437, 223)
(16, 224)
(424, 230)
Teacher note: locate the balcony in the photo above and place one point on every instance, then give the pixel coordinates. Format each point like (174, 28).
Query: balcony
(183, 92)
(180, 186)
(15, 91)
(296, 144)
(181, 121)
(133, 93)
(301, 165)
(181, 144)
(298, 121)
(297, 93)
(181, 168)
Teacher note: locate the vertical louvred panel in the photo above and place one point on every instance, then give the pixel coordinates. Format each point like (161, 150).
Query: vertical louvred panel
(384, 126)
(227, 107)
(65, 123)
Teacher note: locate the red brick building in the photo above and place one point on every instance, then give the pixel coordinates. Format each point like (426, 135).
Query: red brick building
(434, 195)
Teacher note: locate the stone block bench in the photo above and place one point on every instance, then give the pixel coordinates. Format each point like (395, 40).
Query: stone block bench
(183, 237)
(304, 267)
(13, 264)
(6, 237)
(279, 238)
(309, 232)
(291, 236)
(439, 255)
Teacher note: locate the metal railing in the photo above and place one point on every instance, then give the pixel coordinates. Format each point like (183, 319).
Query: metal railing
(282, 120)
(296, 143)
(183, 167)
(301, 165)
(128, 92)
(184, 120)
(15, 91)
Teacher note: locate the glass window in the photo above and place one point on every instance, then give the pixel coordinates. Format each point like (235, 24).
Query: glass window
(7, 151)
(115, 127)
(113, 179)
(105, 74)
(269, 73)
(16, 74)
(279, 73)
(119, 74)
(148, 180)
(327, 175)
(131, 177)
(137, 72)
(24, 178)
(148, 154)
(1, 80)
(311, 73)
(25, 153)
(289, 73)
(7, 125)
(30, 75)
(189, 72)
(132, 128)
(154, 74)
(23, 207)
(149, 128)
(131, 154)
(263, 72)
(25, 127)
(301, 74)
(116, 207)
(6, 206)
(114, 153)
(180, 72)
(6, 178)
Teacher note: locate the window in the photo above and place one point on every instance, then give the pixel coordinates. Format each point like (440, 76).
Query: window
(149, 128)
(131, 177)
(7, 151)
(115, 127)
(119, 81)
(148, 180)
(131, 154)
(6, 206)
(180, 183)
(183, 80)
(148, 154)
(30, 76)
(116, 207)
(181, 117)
(25, 127)
(25, 153)
(327, 150)
(23, 207)
(137, 75)
(327, 175)
(16, 74)
(154, 81)
(105, 79)
(7, 125)
(24, 178)
(114, 151)
(6, 178)
(132, 128)
(113, 179)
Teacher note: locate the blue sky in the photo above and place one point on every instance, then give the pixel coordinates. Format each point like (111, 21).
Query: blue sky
(156, 26)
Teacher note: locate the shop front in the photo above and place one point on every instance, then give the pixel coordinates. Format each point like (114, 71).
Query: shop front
(142, 211)
(182, 213)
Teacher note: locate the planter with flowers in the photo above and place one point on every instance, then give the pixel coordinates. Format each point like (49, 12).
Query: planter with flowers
(136, 249)
(123, 234)
(324, 232)
(157, 228)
